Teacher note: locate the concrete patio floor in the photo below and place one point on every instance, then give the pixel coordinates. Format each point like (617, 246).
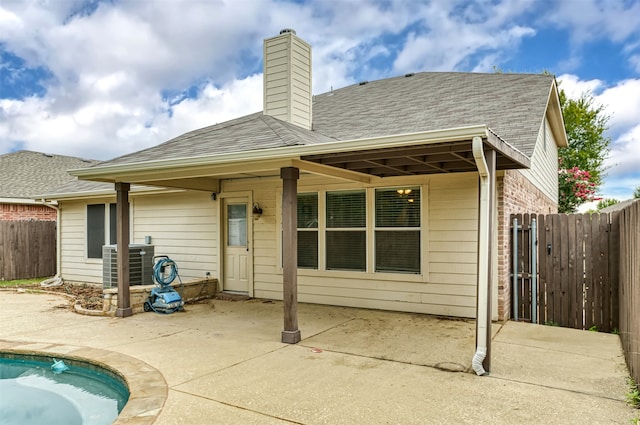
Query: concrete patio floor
(223, 364)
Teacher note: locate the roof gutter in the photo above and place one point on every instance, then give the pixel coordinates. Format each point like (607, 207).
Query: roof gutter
(482, 319)
(288, 152)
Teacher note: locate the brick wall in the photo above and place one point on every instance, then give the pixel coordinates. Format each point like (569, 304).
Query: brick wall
(18, 212)
(515, 195)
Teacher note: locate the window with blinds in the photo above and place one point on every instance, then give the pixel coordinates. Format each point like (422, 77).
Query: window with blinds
(308, 230)
(397, 230)
(346, 233)
(96, 231)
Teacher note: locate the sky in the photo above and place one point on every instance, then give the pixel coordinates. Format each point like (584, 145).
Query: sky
(101, 78)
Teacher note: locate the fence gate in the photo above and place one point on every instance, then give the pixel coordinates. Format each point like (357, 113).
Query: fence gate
(565, 270)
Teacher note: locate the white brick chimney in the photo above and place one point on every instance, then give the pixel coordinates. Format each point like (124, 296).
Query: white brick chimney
(287, 78)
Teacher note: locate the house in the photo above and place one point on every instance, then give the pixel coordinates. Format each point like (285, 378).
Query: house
(24, 174)
(392, 194)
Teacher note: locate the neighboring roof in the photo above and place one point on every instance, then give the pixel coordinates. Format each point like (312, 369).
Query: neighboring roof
(619, 206)
(512, 105)
(24, 174)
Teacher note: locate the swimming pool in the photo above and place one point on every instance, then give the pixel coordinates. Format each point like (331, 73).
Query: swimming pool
(33, 393)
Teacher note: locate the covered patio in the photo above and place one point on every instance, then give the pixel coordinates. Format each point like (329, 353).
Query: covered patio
(467, 149)
(220, 362)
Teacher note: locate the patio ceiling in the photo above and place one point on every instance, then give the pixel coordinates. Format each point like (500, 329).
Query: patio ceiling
(448, 157)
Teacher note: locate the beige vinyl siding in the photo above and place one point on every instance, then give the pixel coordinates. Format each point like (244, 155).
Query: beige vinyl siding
(453, 236)
(447, 285)
(73, 230)
(184, 226)
(544, 163)
(181, 225)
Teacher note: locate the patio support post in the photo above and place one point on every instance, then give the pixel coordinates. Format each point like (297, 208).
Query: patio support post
(289, 176)
(122, 230)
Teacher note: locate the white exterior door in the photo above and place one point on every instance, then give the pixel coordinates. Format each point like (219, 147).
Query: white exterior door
(237, 261)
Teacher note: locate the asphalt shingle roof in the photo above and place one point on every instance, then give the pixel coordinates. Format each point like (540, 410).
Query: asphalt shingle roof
(24, 174)
(512, 105)
(255, 131)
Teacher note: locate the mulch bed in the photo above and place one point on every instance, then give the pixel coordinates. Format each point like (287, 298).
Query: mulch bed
(89, 296)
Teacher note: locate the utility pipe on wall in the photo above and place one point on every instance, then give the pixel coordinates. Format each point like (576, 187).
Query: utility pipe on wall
(483, 318)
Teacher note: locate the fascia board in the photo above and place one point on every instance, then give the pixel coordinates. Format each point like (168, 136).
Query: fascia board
(24, 201)
(101, 193)
(554, 111)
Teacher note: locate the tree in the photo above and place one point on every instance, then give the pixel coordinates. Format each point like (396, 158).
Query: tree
(581, 164)
(636, 193)
(607, 202)
(574, 189)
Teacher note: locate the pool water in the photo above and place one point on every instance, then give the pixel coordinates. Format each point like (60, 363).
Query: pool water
(32, 394)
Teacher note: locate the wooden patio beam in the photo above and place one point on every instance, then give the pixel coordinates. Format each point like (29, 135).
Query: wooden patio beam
(381, 164)
(428, 164)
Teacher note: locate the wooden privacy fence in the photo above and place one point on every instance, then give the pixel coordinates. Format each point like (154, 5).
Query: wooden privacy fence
(27, 249)
(629, 219)
(565, 270)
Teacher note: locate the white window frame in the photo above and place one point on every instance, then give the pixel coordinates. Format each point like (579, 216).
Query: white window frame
(370, 274)
(106, 227)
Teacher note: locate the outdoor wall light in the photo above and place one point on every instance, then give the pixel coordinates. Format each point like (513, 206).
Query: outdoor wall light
(256, 209)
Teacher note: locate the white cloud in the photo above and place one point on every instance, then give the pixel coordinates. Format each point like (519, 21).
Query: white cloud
(623, 100)
(625, 154)
(448, 36)
(591, 19)
(213, 105)
(597, 20)
(107, 127)
(574, 87)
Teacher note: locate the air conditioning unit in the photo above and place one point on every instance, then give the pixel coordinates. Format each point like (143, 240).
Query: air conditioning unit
(140, 265)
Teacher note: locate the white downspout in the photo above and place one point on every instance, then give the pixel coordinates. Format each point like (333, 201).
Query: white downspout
(57, 279)
(483, 258)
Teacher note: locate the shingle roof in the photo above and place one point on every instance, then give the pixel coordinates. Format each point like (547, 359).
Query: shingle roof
(26, 173)
(80, 186)
(255, 131)
(512, 105)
